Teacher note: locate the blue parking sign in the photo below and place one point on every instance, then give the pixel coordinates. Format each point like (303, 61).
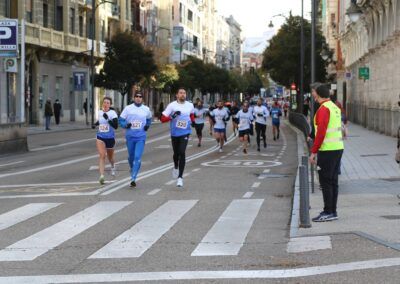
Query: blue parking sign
(8, 38)
(79, 81)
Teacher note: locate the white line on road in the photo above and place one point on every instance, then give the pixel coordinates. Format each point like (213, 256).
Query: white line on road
(196, 170)
(172, 181)
(24, 213)
(52, 184)
(203, 275)
(61, 145)
(228, 234)
(154, 191)
(12, 163)
(256, 184)
(51, 237)
(266, 171)
(261, 177)
(70, 162)
(138, 239)
(248, 194)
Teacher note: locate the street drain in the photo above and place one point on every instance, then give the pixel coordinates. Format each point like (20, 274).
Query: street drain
(374, 155)
(391, 217)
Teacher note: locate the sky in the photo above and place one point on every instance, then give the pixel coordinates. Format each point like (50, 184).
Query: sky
(255, 15)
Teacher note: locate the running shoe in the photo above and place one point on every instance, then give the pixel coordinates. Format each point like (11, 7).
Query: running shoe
(179, 182)
(258, 149)
(220, 150)
(324, 217)
(175, 173)
(133, 183)
(113, 171)
(199, 145)
(265, 144)
(244, 151)
(101, 179)
(277, 136)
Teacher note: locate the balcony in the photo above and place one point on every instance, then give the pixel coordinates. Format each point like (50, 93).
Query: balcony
(38, 35)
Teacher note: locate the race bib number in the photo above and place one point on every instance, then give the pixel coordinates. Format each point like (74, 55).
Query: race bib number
(243, 123)
(182, 124)
(275, 116)
(104, 128)
(218, 118)
(136, 124)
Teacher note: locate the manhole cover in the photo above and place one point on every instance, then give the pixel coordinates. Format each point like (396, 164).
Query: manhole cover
(391, 217)
(374, 155)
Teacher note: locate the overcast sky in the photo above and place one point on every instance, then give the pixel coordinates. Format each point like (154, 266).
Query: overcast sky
(254, 15)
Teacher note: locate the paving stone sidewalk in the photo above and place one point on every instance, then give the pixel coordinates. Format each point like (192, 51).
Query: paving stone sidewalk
(368, 189)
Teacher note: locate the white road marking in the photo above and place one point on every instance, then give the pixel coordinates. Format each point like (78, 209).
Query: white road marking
(51, 237)
(256, 184)
(223, 157)
(261, 177)
(266, 171)
(163, 147)
(70, 162)
(172, 181)
(203, 275)
(228, 234)
(23, 213)
(108, 166)
(12, 163)
(138, 239)
(196, 170)
(185, 175)
(304, 244)
(53, 184)
(61, 145)
(154, 191)
(248, 194)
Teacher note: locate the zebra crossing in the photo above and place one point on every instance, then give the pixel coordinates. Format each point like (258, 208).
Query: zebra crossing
(225, 237)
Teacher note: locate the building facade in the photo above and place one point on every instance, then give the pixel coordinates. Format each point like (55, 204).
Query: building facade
(373, 42)
(208, 9)
(235, 43)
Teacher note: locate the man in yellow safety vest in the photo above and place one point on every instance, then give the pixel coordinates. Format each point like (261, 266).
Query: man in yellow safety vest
(328, 147)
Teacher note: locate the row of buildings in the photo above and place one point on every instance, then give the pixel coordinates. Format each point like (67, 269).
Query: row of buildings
(59, 38)
(365, 37)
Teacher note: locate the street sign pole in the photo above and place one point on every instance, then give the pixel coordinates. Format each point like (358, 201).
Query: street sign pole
(22, 72)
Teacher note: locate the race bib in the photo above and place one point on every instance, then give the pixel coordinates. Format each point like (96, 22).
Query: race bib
(104, 128)
(243, 123)
(218, 118)
(181, 124)
(136, 124)
(275, 116)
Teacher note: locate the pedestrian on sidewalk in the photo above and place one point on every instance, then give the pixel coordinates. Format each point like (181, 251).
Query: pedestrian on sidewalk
(328, 147)
(57, 111)
(48, 113)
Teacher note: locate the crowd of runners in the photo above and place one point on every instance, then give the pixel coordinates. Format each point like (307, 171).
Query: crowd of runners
(247, 119)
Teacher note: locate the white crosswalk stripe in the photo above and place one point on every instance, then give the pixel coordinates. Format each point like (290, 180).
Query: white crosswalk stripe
(51, 237)
(24, 213)
(138, 239)
(228, 234)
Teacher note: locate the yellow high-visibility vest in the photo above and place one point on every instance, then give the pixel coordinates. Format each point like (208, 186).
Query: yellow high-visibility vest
(333, 138)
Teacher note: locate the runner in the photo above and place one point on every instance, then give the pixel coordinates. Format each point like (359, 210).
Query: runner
(260, 113)
(219, 116)
(286, 106)
(180, 113)
(235, 122)
(210, 119)
(245, 119)
(199, 114)
(136, 119)
(105, 142)
(276, 113)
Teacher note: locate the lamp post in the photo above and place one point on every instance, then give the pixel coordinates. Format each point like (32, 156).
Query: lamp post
(94, 8)
(153, 33)
(181, 43)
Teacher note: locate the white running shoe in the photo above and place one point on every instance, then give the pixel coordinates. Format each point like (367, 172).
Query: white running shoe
(113, 169)
(175, 173)
(101, 180)
(220, 150)
(179, 182)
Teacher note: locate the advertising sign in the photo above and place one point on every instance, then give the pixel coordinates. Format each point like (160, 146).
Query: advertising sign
(8, 38)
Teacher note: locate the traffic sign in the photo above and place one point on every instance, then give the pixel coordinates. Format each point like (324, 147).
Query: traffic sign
(363, 73)
(8, 38)
(10, 65)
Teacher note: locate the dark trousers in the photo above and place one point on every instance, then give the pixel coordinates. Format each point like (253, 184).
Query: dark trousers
(260, 131)
(57, 118)
(328, 171)
(179, 145)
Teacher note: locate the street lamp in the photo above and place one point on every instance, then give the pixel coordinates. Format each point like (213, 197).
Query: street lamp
(354, 12)
(153, 33)
(95, 5)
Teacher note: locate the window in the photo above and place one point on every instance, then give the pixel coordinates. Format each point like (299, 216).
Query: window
(58, 93)
(28, 10)
(195, 41)
(44, 91)
(180, 12)
(127, 4)
(72, 20)
(81, 26)
(190, 15)
(173, 12)
(103, 30)
(59, 18)
(45, 15)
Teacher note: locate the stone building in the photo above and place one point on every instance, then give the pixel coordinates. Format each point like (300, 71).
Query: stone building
(372, 41)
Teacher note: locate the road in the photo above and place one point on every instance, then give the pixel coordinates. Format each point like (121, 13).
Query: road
(229, 224)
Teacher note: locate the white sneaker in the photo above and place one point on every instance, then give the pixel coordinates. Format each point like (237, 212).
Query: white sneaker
(113, 169)
(175, 173)
(179, 182)
(101, 180)
(220, 150)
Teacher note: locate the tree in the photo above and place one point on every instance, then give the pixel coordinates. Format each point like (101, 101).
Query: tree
(166, 76)
(252, 83)
(126, 63)
(282, 56)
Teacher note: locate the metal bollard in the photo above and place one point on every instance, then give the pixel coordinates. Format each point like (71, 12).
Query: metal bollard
(304, 198)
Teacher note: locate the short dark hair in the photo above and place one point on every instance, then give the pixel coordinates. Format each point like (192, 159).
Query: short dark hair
(108, 98)
(180, 88)
(323, 91)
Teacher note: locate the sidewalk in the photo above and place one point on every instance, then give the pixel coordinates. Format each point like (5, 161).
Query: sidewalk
(63, 126)
(368, 188)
